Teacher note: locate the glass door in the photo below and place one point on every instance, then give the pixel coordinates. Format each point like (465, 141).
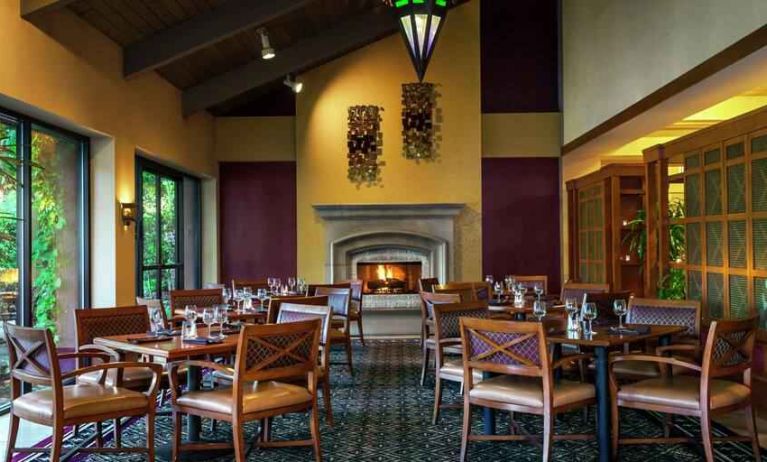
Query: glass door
(160, 244)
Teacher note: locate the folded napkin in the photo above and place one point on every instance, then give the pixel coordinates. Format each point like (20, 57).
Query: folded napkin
(633, 330)
(149, 339)
(165, 333)
(203, 341)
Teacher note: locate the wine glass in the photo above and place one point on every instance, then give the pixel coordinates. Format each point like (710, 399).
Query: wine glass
(270, 283)
(247, 298)
(155, 316)
(571, 307)
(498, 289)
(291, 284)
(226, 295)
(301, 286)
(620, 309)
(509, 280)
(208, 319)
(190, 315)
(589, 313)
(489, 279)
(261, 296)
(539, 310)
(538, 288)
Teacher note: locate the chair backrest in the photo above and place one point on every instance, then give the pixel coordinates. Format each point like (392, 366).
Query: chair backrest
(103, 322)
(311, 289)
(276, 351)
(429, 299)
(730, 348)
(202, 298)
(295, 312)
(427, 284)
(604, 304)
(506, 347)
(254, 284)
(275, 304)
(339, 298)
(469, 291)
(152, 303)
(31, 357)
(666, 312)
(356, 286)
(577, 290)
(447, 318)
(530, 281)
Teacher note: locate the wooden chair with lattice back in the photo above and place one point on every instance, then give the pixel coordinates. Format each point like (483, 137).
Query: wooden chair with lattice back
(275, 304)
(469, 291)
(355, 307)
(531, 281)
(254, 284)
(268, 357)
(425, 285)
(576, 290)
(517, 353)
(294, 312)
(339, 299)
(33, 360)
(447, 333)
(201, 298)
(715, 390)
(428, 300)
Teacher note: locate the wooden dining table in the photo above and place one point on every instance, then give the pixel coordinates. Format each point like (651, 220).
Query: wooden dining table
(174, 349)
(255, 315)
(601, 342)
(521, 312)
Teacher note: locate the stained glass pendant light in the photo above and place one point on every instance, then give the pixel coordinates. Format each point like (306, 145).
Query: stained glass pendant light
(420, 22)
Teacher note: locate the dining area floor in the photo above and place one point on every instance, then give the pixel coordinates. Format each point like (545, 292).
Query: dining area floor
(382, 413)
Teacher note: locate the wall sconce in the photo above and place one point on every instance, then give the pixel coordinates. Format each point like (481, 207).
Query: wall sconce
(128, 213)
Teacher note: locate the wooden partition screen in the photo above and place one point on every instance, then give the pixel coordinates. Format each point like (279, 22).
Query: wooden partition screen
(720, 173)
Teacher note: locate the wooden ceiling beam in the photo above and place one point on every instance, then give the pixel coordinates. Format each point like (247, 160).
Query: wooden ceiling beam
(31, 9)
(347, 36)
(203, 30)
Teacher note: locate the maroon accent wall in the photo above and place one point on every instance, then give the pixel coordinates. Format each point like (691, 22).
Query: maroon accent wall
(519, 55)
(520, 217)
(257, 207)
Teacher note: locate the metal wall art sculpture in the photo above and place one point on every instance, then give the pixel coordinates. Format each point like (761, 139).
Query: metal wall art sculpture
(418, 120)
(364, 141)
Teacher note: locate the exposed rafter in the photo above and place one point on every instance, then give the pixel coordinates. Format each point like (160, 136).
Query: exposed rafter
(345, 37)
(31, 9)
(200, 31)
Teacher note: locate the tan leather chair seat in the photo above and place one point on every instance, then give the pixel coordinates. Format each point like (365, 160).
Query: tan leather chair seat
(257, 397)
(79, 400)
(453, 370)
(525, 391)
(133, 378)
(683, 391)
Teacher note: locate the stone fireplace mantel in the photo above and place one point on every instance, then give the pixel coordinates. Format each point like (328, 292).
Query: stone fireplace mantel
(354, 231)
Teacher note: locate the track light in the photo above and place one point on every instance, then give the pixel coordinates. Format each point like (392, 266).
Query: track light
(267, 52)
(293, 85)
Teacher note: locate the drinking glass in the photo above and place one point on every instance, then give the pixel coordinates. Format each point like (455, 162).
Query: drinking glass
(539, 310)
(509, 280)
(301, 286)
(190, 315)
(238, 299)
(291, 284)
(247, 299)
(571, 307)
(620, 309)
(226, 295)
(589, 313)
(208, 319)
(498, 289)
(217, 310)
(155, 317)
(261, 296)
(270, 283)
(538, 288)
(489, 279)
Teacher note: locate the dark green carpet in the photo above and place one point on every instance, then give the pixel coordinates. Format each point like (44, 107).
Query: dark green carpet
(383, 414)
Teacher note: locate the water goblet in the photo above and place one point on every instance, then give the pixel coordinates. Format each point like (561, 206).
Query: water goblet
(498, 289)
(261, 296)
(489, 279)
(208, 319)
(190, 315)
(538, 288)
(539, 310)
(589, 313)
(620, 309)
(571, 307)
(291, 284)
(226, 295)
(218, 316)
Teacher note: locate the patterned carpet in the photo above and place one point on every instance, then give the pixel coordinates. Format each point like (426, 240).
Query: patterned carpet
(383, 414)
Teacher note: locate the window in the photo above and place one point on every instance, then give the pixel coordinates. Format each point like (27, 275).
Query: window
(43, 229)
(168, 249)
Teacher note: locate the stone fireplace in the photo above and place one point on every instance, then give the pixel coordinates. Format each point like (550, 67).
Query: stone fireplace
(411, 241)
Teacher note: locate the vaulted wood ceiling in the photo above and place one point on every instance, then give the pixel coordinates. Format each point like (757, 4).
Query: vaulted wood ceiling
(210, 49)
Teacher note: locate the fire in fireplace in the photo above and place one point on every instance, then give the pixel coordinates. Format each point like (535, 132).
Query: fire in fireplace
(389, 277)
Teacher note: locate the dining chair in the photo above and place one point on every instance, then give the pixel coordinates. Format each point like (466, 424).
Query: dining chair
(469, 291)
(275, 304)
(530, 281)
(428, 299)
(294, 312)
(33, 360)
(447, 333)
(339, 299)
(714, 390)
(517, 354)
(577, 290)
(268, 356)
(427, 284)
(355, 308)
(202, 298)
(254, 284)
(153, 303)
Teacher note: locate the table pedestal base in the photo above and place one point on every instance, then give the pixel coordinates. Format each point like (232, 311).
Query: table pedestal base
(165, 452)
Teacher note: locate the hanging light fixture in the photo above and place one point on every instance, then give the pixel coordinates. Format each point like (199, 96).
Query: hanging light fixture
(267, 52)
(420, 22)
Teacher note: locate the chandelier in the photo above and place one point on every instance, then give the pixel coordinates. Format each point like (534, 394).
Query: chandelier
(420, 22)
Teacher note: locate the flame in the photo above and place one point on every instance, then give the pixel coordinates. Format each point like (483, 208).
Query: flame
(384, 273)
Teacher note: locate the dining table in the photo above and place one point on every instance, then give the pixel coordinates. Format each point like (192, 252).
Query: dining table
(253, 315)
(523, 311)
(601, 341)
(175, 348)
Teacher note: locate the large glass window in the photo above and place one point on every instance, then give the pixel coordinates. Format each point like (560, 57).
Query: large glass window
(43, 205)
(165, 261)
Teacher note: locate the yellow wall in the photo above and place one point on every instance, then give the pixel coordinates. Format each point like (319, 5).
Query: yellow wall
(255, 139)
(373, 75)
(81, 86)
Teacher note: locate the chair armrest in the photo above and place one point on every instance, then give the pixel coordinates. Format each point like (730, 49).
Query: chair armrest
(677, 347)
(85, 355)
(653, 359)
(93, 347)
(175, 385)
(571, 358)
(155, 368)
